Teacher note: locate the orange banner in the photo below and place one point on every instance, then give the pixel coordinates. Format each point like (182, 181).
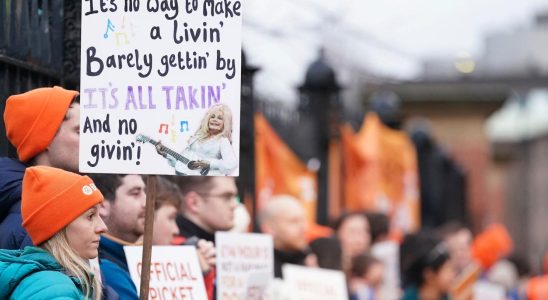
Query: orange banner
(280, 171)
(381, 173)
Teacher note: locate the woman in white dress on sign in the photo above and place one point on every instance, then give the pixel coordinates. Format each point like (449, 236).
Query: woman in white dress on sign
(210, 148)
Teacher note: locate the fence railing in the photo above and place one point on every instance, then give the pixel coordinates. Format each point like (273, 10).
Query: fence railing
(31, 49)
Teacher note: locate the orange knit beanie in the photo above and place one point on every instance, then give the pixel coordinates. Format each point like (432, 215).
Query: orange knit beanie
(52, 198)
(33, 118)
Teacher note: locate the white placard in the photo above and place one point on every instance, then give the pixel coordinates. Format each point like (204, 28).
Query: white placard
(389, 252)
(277, 290)
(174, 272)
(485, 290)
(257, 285)
(314, 283)
(240, 255)
(158, 70)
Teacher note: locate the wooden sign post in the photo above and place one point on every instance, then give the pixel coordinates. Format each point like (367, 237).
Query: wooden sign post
(147, 239)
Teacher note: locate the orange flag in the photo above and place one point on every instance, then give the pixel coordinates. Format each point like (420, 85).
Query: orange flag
(537, 288)
(279, 171)
(491, 245)
(381, 173)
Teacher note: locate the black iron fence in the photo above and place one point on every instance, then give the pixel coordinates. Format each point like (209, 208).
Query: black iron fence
(31, 49)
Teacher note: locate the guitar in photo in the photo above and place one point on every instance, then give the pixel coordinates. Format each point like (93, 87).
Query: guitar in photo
(209, 150)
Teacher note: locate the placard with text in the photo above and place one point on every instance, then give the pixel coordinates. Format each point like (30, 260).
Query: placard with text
(175, 272)
(239, 257)
(160, 87)
(314, 283)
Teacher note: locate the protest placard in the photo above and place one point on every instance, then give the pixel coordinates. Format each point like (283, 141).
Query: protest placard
(174, 273)
(257, 285)
(160, 71)
(486, 290)
(240, 256)
(314, 283)
(389, 252)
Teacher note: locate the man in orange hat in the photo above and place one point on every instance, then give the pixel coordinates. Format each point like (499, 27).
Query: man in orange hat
(44, 126)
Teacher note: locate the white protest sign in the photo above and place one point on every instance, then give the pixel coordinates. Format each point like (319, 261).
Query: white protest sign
(485, 290)
(174, 272)
(257, 285)
(238, 256)
(277, 290)
(314, 283)
(160, 71)
(389, 252)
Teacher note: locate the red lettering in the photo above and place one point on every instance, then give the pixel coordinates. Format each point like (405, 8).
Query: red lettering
(185, 273)
(156, 269)
(164, 290)
(169, 268)
(152, 294)
(192, 276)
(186, 292)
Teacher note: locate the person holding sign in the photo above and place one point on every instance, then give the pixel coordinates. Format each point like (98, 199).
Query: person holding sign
(209, 151)
(284, 218)
(166, 231)
(44, 127)
(60, 214)
(168, 202)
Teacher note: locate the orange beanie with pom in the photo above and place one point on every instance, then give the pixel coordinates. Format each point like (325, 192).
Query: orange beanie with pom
(52, 198)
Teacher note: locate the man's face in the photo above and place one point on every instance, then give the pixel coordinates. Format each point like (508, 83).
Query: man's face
(289, 230)
(215, 208)
(126, 214)
(63, 149)
(165, 227)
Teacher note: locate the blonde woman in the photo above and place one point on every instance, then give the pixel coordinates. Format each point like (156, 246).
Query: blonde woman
(210, 148)
(59, 211)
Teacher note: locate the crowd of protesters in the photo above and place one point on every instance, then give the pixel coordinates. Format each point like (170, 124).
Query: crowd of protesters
(53, 220)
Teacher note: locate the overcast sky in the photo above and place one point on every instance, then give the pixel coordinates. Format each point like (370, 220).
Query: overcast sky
(385, 37)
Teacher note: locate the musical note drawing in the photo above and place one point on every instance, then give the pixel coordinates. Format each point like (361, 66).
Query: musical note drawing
(110, 27)
(184, 126)
(165, 127)
(118, 34)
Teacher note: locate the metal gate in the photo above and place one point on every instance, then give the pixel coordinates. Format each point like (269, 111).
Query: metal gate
(32, 49)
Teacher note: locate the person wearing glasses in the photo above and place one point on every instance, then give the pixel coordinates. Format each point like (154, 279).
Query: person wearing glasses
(427, 270)
(208, 205)
(166, 232)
